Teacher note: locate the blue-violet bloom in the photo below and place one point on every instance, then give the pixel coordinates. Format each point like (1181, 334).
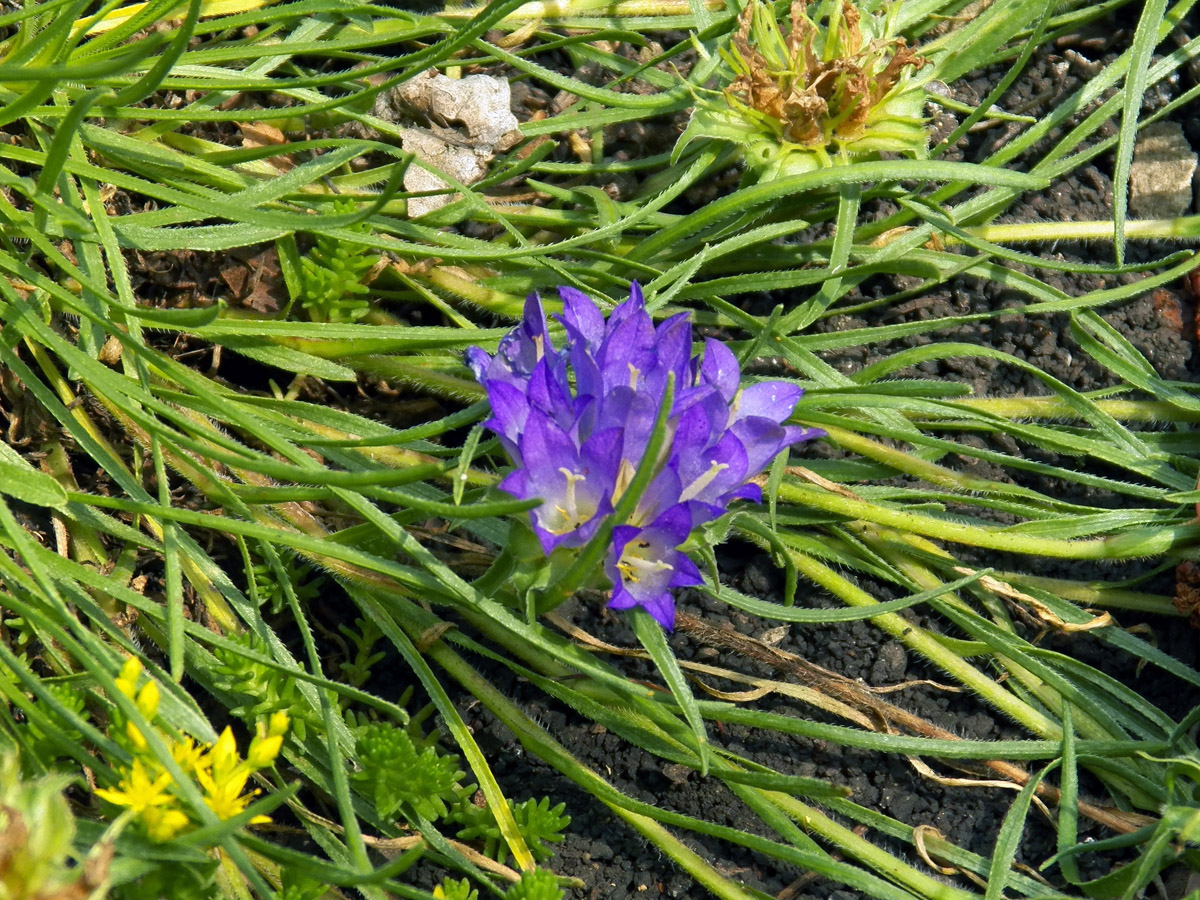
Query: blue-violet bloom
(577, 420)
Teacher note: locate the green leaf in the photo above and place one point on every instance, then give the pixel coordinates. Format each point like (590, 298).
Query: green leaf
(292, 360)
(1145, 38)
(23, 482)
(1009, 837)
(652, 637)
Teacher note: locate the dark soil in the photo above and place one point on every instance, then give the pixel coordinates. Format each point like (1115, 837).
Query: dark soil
(611, 859)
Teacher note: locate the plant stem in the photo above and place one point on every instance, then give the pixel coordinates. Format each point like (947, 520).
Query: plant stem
(1182, 228)
(1134, 542)
(562, 9)
(1054, 408)
(921, 641)
(542, 744)
(1094, 593)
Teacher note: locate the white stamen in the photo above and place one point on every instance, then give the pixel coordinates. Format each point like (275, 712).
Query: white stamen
(635, 568)
(625, 473)
(702, 482)
(568, 515)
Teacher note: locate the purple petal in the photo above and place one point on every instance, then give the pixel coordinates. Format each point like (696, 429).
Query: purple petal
(661, 495)
(601, 456)
(673, 341)
(661, 607)
(772, 400)
(577, 423)
(720, 369)
(575, 491)
(629, 351)
(707, 475)
(673, 526)
(510, 409)
(751, 492)
(795, 434)
(763, 440)
(478, 361)
(589, 381)
(581, 314)
(545, 447)
(550, 392)
(686, 573)
(646, 563)
(516, 483)
(522, 347)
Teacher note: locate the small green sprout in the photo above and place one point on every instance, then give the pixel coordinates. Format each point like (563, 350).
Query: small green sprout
(838, 86)
(535, 884)
(538, 822)
(263, 691)
(450, 889)
(334, 273)
(400, 773)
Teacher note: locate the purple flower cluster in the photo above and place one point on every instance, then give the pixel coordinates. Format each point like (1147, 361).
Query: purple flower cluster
(577, 422)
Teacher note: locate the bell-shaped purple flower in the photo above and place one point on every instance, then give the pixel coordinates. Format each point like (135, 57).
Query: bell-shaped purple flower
(577, 422)
(646, 563)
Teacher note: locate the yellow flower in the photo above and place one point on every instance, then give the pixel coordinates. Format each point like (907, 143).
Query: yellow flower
(279, 723)
(268, 742)
(227, 800)
(223, 776)
(136, 738)
(148, 798)
(164, 824)
(147, 700)
(223, 758)
(146, 790)
(128, 679)
(138, 790)
(188, 754)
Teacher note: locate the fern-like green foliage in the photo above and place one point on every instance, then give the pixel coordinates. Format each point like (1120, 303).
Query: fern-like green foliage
(402, 776)
(177, 880)
(539, 824)
(358, 668)
(306, 583)
(265, 690)
(49, 746)
(331, 274)
(535, 884)
(450, 889)
(299, 887)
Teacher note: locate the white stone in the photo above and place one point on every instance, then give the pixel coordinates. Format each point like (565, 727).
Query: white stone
(1160, 180)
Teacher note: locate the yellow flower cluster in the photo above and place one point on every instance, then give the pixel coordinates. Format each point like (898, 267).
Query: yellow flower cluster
(146, 789)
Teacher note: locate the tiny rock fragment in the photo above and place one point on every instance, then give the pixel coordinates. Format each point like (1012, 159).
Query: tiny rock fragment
(480, 102)
(775, 636)
(110, 353)
(676, 773)
(255, 280)
(464, 164)
(263, 134)
(1160, 179)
